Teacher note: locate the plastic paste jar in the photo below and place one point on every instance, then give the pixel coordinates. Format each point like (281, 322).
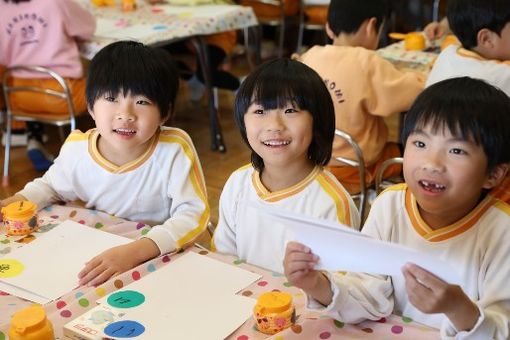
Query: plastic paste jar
(20, 218)
(31, 324)
(274, 312)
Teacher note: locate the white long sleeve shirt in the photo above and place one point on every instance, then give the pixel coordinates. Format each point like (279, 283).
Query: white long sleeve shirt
(254, 237)
(164, 187)
(477, 246)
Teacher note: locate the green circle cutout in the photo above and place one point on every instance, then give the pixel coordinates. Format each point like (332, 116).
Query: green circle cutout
(126, 299)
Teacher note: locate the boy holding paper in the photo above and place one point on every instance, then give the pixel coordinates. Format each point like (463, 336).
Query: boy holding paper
(456, 150)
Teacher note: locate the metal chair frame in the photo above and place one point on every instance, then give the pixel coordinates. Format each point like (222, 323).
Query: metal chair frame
(358, 163)
(308, 26)
(31, 117)
(380, 171)
(280, 22)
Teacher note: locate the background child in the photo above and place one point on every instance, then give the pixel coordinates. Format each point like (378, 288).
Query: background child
(456, 148)
(130, 165)
(364, 87)
(286, 117)
(44, 33)
(483, 28)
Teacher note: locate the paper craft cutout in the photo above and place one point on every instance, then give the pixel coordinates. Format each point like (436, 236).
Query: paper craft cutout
(10, 268)
(126, 299)
(344, 249)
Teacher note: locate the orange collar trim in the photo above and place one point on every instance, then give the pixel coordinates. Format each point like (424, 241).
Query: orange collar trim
(109, 166)
(447, 232)
(268, 196)
(472, 54)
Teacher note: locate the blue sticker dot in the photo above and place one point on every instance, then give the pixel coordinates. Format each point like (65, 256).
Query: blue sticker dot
(48, 208)
(124, 329)
(151, 267)
(159, 27)
(78, 295)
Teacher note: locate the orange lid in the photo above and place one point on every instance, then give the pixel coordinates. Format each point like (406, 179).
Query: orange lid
(29, 318)
(19, 210)
(274, 302)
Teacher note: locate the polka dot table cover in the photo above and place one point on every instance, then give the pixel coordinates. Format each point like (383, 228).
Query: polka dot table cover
(166, 23)
(309, 324)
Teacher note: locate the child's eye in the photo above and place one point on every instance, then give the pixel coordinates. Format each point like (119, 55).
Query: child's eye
(109, 98)
(458, 151)
(419, 144)
(143, 102)
(258, 111)
(291, 110)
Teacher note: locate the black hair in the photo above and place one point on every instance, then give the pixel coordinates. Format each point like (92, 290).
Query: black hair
(347, 16)
(467, 17)
(470, 109)
(130, 66)
(16, 1)
(278, 82)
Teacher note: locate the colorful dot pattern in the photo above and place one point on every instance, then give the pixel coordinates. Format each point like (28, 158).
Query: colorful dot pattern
(308, 325)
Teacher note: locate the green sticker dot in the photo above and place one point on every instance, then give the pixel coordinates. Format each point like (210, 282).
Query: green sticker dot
(126, 299)
(2, 336)
(145, 231)
(339, 324)
(407, 319)
(83, 302)
(98, 225)
(287, 284)
(237, 262)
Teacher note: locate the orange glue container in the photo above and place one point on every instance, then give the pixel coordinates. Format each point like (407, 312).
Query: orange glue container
(274, 312)
(31, 324)
(20, 218)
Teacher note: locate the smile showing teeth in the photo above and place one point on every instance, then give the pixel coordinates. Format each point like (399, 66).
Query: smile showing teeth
(276, 142)
(431, 186)
(125, 132)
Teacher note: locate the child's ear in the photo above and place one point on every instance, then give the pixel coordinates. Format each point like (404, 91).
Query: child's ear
(371, 28)
(91, 112)
(496, 176)
(485, 38)
(329, 32)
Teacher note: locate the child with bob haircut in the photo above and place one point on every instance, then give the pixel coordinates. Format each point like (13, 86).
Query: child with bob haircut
(483, 28)
(456, 140)
(130, 165)
(365, 88)
(286, 117)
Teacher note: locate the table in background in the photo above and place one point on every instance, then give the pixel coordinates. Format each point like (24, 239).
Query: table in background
(309, 324)
(165, 26)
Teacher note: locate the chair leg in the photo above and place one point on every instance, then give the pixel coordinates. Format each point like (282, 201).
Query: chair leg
(281, 37)
(61, 134)
(7, 153)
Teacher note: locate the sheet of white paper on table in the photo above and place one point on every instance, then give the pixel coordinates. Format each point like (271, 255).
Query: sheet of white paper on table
(203, 11)
(108, 28)
(52, 262)
(345, 249)
(192, 297)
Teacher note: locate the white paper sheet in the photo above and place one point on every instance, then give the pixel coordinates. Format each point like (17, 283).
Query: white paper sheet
(203, 11)
(52, 262)
(115, 29)
(345, 249)
(191, 298)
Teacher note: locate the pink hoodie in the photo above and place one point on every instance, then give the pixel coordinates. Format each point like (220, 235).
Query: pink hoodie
(44, 33)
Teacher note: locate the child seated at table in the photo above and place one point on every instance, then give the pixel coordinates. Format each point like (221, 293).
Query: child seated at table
(456, 140)
(286, 117)
(44, 33)
(365, 88)
(483, 28)
(130, 165)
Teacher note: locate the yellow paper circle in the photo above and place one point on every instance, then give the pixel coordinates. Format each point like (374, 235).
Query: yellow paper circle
(10, 268)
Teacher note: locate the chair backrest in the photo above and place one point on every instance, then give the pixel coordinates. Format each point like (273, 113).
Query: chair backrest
(313, 25)
(65, 94)
(359, 163)
(380, 171)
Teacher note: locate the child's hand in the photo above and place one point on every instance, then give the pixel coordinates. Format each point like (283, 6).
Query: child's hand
(117, 260)
(430, 294)
(298, 266)
(434, 30)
